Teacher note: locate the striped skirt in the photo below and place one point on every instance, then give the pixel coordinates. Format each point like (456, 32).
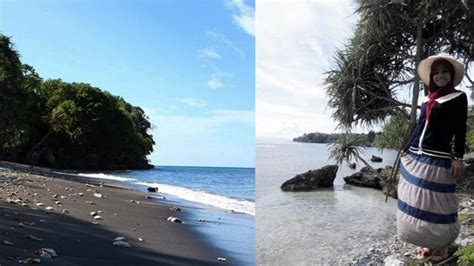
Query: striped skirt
(427, 202)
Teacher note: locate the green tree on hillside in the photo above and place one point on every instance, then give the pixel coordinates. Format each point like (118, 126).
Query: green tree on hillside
(66, 125)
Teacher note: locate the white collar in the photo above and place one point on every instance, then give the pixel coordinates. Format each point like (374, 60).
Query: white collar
(445, 98)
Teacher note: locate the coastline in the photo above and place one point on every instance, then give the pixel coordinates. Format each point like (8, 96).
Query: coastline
(78, 238)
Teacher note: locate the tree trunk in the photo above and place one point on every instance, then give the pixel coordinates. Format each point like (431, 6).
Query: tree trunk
(28, 157)
(416, 85)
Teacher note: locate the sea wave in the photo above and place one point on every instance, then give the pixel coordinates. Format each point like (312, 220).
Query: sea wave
(219, 201)
(109, 177)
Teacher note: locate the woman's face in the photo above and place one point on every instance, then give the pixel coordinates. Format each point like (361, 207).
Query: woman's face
(441, 75)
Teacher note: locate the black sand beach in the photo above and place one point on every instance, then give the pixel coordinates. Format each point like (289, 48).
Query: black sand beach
(26, 226)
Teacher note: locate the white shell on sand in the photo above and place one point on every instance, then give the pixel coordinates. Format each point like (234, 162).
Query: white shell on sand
(97, 217)
(122, 244)
(98, 195)
(174, 219)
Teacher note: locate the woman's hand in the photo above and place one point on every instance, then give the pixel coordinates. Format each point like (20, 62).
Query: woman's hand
(457, 168)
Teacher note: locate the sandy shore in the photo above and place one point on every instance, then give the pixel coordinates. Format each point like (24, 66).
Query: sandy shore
(27, 226)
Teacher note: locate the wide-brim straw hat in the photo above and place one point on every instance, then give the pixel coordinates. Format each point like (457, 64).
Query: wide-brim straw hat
(424, 68)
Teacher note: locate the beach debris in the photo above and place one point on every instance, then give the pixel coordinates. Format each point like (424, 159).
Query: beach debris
(120, 238)
(152, 189)
(47, 253)
(140, 239)
(32, 237)
(89, 185)
(8, 243)
(24, 224)
(97, 217)
(122, 244)
(55, 196)
(65, 211)
(121, 241)
(222, 259)
(49, 208)
(90, 202)
(98, 195)
(63, 197)
(29, 261)
(57, 202)
(93, 213)
(175, 209)
(174, 220)
(80, 194)
(12, 201)
(39, 204)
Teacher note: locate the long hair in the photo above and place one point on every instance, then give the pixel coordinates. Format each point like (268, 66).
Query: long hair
(432, 87)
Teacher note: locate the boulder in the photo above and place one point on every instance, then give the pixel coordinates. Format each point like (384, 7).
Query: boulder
(152, 189)
(376, 159)
(311, 180)
(352, 165)
(367, 178)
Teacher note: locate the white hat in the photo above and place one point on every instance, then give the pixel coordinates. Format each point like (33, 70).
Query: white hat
(424, 68)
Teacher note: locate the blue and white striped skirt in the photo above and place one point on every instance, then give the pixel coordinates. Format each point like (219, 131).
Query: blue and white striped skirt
(427, 202)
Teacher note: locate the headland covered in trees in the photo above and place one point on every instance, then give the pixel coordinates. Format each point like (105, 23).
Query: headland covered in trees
(66, 125)
(367, 140)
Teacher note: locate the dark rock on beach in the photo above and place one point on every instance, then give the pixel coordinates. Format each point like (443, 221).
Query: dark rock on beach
(376, 159)
(152, 189)
(311, 180)
(352, 165)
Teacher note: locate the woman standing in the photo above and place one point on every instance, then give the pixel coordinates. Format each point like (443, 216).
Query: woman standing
(427, 200)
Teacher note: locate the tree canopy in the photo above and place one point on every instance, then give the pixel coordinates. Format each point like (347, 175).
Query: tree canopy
(67, 125)
(380, 60)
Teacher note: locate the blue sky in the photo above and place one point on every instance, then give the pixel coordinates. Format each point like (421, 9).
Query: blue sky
(189, 64)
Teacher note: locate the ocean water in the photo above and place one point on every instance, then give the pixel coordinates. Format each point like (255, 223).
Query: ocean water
(223, 197)
(326, 227)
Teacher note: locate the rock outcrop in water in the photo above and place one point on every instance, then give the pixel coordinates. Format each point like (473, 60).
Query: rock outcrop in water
(367, 178)
(376, 159)
(312, 180)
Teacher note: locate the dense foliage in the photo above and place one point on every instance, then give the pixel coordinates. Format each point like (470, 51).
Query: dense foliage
(380, 60)
(392, 135)
(466, 255)
(66, 125)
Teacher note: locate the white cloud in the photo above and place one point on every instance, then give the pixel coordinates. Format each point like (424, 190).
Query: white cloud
(209, 52)
(295, 42)
(215, 81)
(193, 102)
(200, 125)
(245, 16)
(222, 40)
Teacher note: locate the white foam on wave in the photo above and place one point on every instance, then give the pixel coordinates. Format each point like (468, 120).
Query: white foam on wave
(219, 201)
(109, 177)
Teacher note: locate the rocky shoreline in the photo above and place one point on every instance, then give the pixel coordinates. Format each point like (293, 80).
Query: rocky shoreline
(396, 252)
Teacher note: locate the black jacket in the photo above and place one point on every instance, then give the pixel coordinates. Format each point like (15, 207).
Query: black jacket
(447, 119)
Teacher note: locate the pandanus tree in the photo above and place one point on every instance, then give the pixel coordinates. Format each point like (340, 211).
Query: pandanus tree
(377, 67)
